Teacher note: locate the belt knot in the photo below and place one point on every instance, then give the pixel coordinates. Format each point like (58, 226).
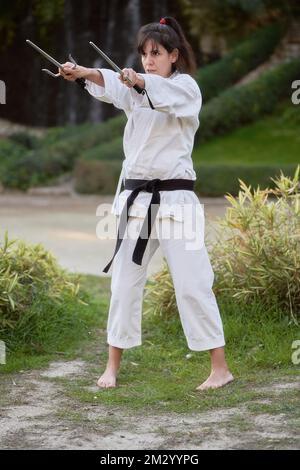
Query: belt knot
(151, 185)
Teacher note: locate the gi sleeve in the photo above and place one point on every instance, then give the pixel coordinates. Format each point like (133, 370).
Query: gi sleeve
(113, 92)
(179, 96)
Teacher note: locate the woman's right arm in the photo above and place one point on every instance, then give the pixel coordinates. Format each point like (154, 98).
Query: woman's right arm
(70, 73)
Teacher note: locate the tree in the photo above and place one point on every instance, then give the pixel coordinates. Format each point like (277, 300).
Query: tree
(234, 19)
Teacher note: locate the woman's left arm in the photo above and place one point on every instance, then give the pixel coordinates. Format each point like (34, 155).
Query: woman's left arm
(179, 96)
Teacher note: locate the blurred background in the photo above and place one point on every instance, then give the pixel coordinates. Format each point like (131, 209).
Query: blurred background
(58, 142)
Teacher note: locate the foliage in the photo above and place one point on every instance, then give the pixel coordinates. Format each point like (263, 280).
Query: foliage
(243, 104)
(46, 13)
(28, 273)
(26, 161)
(96, 176)
(233, 18)
(246, 56)
(256, 257)
(216, 179)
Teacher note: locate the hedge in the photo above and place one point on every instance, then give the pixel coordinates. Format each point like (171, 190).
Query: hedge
(101, 177)
(244, 104)
(216, 77)
(96, 177)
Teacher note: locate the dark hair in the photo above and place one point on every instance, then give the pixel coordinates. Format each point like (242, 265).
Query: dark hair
(170, 35)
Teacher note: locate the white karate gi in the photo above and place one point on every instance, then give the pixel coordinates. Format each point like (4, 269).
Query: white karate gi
(158, 144)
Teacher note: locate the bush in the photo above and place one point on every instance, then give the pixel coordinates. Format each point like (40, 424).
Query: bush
(26, 161)
(96, 177)
(101, 176)
(85, 136)
(10, 151)
(247, 103)
(291, 116)
(25, 171)
(112, 150)
(30, 280)
(26, 139)
(217, 179)
(256, 257)
(216, 77)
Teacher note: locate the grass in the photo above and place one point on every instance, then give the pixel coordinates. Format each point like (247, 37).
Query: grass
(271, 140)
(159, 376)
(61, 331)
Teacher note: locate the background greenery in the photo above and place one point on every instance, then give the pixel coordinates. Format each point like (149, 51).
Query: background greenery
(248, 131)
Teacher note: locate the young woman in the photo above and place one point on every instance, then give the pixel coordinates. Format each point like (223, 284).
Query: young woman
(158, 176)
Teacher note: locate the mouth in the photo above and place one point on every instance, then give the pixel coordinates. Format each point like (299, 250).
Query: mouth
(150, 71)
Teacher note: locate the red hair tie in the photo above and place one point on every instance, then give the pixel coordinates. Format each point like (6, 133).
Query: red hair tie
(162, 21)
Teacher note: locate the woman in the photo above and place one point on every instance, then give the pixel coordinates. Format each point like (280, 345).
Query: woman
(158, 174)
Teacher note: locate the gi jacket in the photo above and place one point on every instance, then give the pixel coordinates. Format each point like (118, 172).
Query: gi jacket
(158, 142)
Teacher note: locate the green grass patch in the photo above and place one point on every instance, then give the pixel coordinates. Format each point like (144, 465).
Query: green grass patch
(159, 377)
(59, 331)
(162, 374)
(272, 140)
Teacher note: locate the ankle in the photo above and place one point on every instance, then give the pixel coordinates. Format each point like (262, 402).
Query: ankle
(220, 370)
(112, 367)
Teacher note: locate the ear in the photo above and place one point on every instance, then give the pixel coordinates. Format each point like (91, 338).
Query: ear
(174, 55)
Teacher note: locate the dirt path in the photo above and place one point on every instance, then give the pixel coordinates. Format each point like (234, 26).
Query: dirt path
(38, 413)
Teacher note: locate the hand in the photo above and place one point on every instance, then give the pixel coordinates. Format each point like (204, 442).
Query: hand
(132, 75)
(71, 71)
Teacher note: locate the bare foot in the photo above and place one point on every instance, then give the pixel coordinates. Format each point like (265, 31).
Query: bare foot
(108, 379)
(216, 379)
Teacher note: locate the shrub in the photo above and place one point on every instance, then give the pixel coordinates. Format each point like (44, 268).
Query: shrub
(85, 136)
(217, 179)
(112, 150)
(10, 151)
(160, 295)
(26, 139)
(26, 171)
(31, 278)
(291, 116)
(26, 161)
(96, 176)
(256, 257)
(243, 104)
(216, 77)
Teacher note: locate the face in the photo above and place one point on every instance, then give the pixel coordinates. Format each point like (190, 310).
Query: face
(156, 59)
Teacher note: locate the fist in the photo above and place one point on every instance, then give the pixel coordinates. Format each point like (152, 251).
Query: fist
(71, 72)
(129, 74)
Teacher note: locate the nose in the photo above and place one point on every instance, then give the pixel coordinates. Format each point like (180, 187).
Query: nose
(148, 60)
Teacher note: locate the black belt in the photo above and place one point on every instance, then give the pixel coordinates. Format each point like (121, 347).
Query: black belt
(151, 186)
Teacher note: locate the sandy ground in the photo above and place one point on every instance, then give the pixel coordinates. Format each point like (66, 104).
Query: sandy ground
(66, 225)
(38, 414)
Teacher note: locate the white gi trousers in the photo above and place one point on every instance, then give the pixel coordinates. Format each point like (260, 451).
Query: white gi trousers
(192, 277)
